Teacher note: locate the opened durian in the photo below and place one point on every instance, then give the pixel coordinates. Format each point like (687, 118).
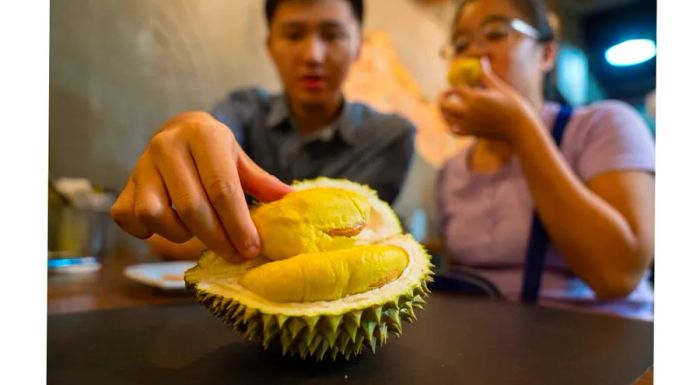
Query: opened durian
(466, 71)
(335, 274)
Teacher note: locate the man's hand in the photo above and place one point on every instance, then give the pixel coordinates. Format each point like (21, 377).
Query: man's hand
(191, 180)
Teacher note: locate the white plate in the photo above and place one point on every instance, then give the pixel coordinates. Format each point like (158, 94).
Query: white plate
(160, 274)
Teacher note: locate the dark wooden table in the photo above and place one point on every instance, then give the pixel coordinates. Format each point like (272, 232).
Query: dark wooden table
(104, 328)
(107, 288)
(456, 340)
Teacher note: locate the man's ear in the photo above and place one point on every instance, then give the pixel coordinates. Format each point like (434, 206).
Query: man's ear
(268, 43)
(549, 56)
(358, 51)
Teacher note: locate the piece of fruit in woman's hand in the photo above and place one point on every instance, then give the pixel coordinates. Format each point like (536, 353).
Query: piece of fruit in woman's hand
(465, 72)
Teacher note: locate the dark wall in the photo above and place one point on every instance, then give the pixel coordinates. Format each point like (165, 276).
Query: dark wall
(604, 29)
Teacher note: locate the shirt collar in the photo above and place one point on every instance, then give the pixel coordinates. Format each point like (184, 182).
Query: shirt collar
(345, 124)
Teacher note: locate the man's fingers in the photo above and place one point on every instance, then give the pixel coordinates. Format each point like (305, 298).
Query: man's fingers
(152, 204)
(258, 182)
(189, 199)
(216, 163)
(123, 213)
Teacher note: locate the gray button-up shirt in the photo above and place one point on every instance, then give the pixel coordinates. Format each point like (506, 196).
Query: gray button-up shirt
(361, 145)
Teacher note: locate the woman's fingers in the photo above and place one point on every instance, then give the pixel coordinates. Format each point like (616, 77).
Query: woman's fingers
(492, 81)
(216, 160)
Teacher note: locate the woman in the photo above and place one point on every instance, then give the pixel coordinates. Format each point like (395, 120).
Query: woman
(594, 195)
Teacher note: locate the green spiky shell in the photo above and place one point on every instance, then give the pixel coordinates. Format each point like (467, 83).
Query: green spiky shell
(315, 329)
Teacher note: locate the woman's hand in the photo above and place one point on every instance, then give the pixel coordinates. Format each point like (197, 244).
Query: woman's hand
(191, 180)
(496, 111)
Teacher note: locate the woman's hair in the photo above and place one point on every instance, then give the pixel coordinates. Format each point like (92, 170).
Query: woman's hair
(534, 13)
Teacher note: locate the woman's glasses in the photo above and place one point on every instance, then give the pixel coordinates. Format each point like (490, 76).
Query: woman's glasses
(492, 31)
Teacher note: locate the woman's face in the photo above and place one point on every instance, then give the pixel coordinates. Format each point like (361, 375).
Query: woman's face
(516, 58)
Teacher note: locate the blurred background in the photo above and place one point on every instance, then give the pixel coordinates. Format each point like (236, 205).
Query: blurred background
(119, 68)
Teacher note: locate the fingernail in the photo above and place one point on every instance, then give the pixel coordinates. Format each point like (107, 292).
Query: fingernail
(252, 249)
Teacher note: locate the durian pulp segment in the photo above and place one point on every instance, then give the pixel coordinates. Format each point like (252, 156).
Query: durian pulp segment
(327, 275)
(465, 71)
(308, 221)
(219, 278)
(383, 222)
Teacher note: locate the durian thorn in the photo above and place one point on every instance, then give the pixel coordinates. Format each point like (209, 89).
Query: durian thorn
(333, 321)
(295, 326)
(368, 327)
(308, 337)
(249, 314)
(351, 330)
(359, 344)
(330, 336)
(322, 350)
(311, 322)
(383, 333)
(344, 339)
(281, 319)
(334, 353)
(355, 317)
(375, 314)
(373, 344)
(239, 312)
(315, 344)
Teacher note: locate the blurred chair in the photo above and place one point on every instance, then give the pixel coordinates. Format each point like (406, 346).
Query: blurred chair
(461, 280)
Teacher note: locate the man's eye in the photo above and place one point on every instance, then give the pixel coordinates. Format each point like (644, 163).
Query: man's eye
(332, 35)
(294, 36)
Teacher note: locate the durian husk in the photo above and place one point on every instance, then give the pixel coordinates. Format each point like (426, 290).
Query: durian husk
(321, 329)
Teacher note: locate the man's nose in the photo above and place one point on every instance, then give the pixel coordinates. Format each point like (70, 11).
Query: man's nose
(314, 50)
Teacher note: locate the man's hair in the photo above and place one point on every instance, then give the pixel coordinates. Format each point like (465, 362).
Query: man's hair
(357, 6)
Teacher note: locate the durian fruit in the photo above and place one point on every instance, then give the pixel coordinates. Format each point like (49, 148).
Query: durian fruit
(466, 71)
(336, 274)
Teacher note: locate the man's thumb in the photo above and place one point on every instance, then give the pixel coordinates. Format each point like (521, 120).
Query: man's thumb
(258, 182)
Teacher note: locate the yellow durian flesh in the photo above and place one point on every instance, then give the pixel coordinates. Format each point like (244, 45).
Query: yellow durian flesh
(327, 276)
(465, 72)
(312, 220)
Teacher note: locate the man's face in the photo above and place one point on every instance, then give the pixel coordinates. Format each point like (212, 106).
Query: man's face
(313, 43)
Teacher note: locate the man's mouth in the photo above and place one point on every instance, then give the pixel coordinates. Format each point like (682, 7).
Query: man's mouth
(312, 82)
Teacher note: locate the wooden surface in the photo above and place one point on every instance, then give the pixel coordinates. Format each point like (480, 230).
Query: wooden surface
(137, 312)
(647, 378)
(107, 288)
(455, 340)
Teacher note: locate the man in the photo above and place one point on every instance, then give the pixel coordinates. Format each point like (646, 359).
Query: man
(192, 178)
